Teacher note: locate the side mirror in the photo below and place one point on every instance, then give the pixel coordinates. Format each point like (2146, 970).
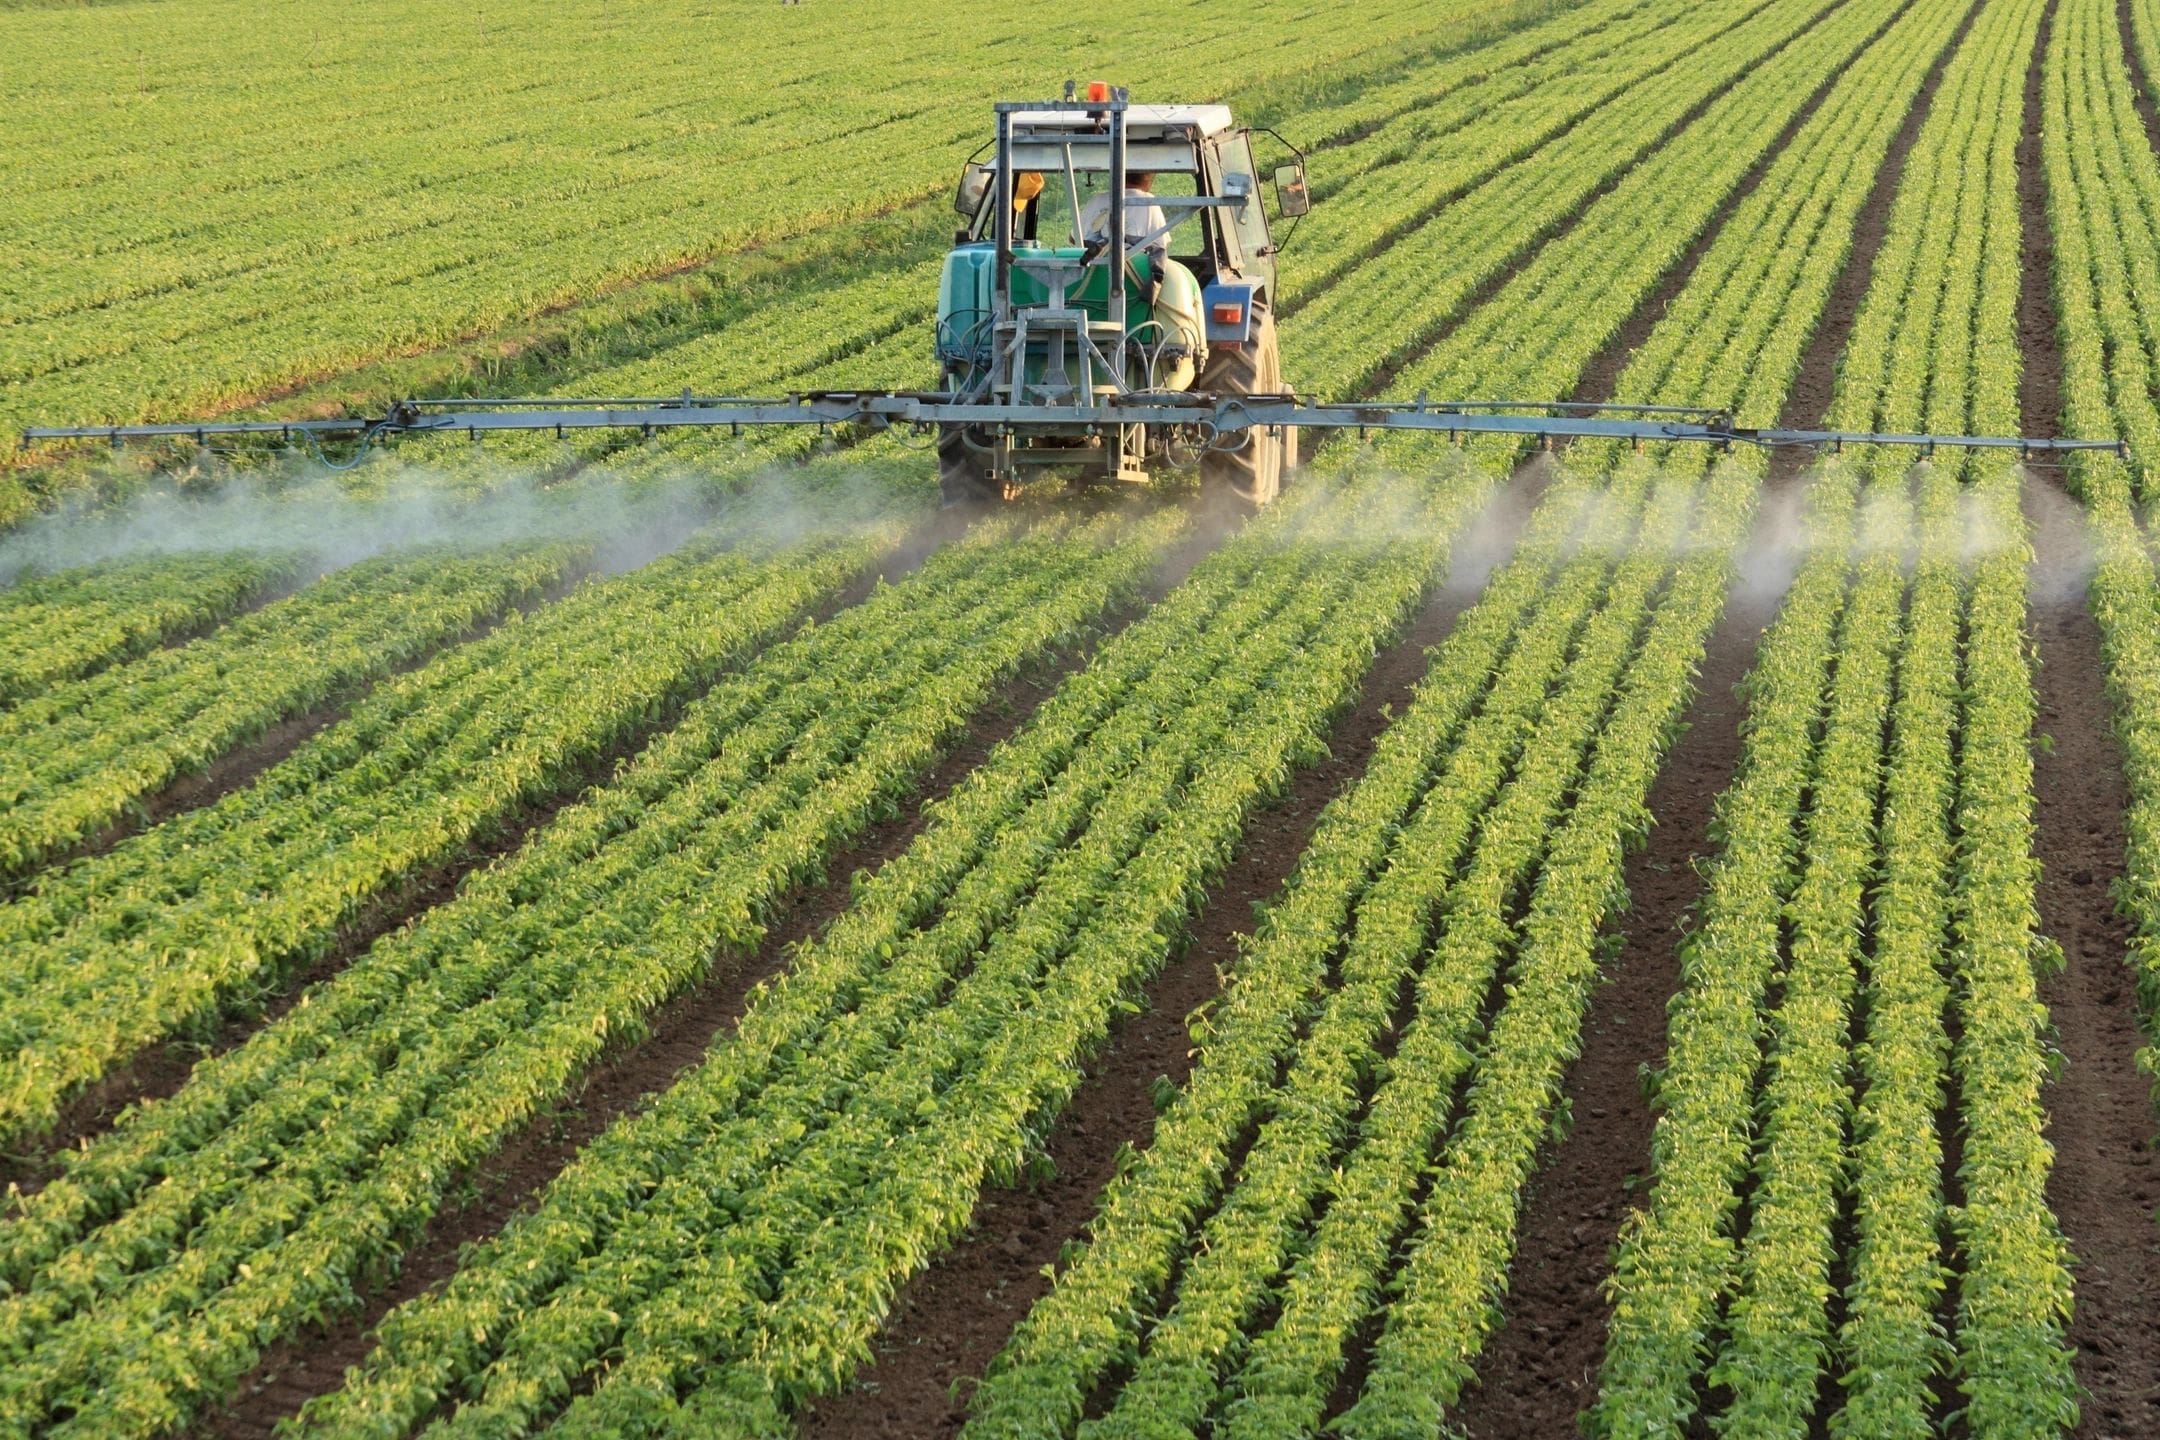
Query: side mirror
(1291, 197)
(974, 184)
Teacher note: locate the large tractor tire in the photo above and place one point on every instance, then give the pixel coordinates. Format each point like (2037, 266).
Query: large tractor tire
(963, 474)
(1252, 474)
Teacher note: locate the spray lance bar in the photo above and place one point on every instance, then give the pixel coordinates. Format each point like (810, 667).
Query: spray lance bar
(1217, 420)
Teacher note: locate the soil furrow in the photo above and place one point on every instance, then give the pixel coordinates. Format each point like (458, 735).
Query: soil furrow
(1405, 229)
(2104, 1184)
(949, 1322)
(2141, 91)
(1386, 374)
(1602, 375)
(245, 762)
(1540, 1366)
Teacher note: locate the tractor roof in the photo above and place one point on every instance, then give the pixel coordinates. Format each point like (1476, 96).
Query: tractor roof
(1141, 121)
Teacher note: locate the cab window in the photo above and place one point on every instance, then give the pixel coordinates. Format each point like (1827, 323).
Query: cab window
(1052, 221)
(1248, 221)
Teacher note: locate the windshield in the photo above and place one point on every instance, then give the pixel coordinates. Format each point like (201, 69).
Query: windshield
(1051, 218)
(1249, 221)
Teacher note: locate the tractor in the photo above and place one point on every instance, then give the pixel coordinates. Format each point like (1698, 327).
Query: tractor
(1113, 253)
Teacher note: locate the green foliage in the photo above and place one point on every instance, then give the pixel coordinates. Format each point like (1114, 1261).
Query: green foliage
(74, 623)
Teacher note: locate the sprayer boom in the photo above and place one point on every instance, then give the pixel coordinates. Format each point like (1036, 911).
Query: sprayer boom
(1207, 422)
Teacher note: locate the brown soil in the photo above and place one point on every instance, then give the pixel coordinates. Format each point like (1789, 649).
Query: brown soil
(2104, 1185)
(949, 1321)
(1602, 375)
(1540, 1366)
(2141, 93)
(1816, 385)
(245, 762)
(1532, 241)
(188, 634)
(678, 1035)
(2039, 341)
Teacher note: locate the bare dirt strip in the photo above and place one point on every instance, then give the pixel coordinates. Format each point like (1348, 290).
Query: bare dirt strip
(949, 1322)
(2105, 1182)
(1539, 1367)
(2141, 91)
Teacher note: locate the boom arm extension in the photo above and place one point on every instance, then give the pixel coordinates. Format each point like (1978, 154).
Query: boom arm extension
(1219, 420)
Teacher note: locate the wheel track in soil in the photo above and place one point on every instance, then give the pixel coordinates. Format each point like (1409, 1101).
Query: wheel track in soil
(950, 1320)
(1539, 1366)
(2141, 90)
(2105, 1182)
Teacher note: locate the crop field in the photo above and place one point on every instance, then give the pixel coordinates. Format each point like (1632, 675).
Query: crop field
(619, 934)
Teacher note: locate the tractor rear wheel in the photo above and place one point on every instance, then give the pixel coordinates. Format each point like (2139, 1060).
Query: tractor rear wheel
(963, 474)
(1252, 474)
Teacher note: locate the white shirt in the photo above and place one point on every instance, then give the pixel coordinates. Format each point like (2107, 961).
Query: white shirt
(1143, 217)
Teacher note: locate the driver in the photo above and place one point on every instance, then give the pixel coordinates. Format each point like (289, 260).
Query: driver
(1143, 218)
(1027, 188)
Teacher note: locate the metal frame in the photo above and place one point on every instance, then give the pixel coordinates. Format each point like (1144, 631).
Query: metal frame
(1070, 334)
(1217, 422)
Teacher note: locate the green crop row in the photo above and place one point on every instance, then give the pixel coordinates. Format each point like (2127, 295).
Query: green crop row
(74, 623)
(202, 912)
(75, 760)
(288, 1171)
(1675, 1259)
(2013, 1281)
(2104, 216)
(1406, 173)
(1335, 1282)
(1777, 1336)
(1934, 347)
(2100, 177)
(1441, 1300)
(945, 1065)
(1590, 283)
(1226, 1266)
(1508, 641)
(1776, 58)
(1097, 1321)
(1890, 1347)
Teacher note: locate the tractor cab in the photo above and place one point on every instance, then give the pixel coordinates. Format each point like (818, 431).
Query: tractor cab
(1038, 307)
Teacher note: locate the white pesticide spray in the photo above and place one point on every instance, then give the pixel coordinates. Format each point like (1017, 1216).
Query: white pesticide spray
(627, 522)
(2064, 556)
